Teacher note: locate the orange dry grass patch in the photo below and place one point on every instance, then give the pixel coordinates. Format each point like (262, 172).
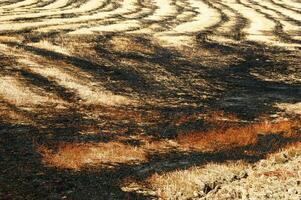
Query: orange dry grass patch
(236, 136)
(78, 155)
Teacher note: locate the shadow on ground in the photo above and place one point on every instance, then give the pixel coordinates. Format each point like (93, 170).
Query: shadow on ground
(231, 88)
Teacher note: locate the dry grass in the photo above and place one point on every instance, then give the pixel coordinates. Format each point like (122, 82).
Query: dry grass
(86, 90)
(291, 150)
(44, 44)
(215, 118)
(279, 173)
(15, 91)
(292, 108)
(272, 178)
(194, 181)
(5, 38)
(236, 136)
(114, 113)
(123, 44)
(218, 117)
(13, 117)
(79, 155)
(208, 56)
(228, 180)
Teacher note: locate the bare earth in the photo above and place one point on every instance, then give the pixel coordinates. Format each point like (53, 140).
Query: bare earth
(150, 99)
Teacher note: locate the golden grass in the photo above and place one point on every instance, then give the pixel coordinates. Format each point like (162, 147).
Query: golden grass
(44, 44)
(192, 182)
(15, 91)
(293, 108)
(188, 182)
(79, 155)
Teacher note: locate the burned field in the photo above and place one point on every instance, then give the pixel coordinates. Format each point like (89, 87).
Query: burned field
(120, 99)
